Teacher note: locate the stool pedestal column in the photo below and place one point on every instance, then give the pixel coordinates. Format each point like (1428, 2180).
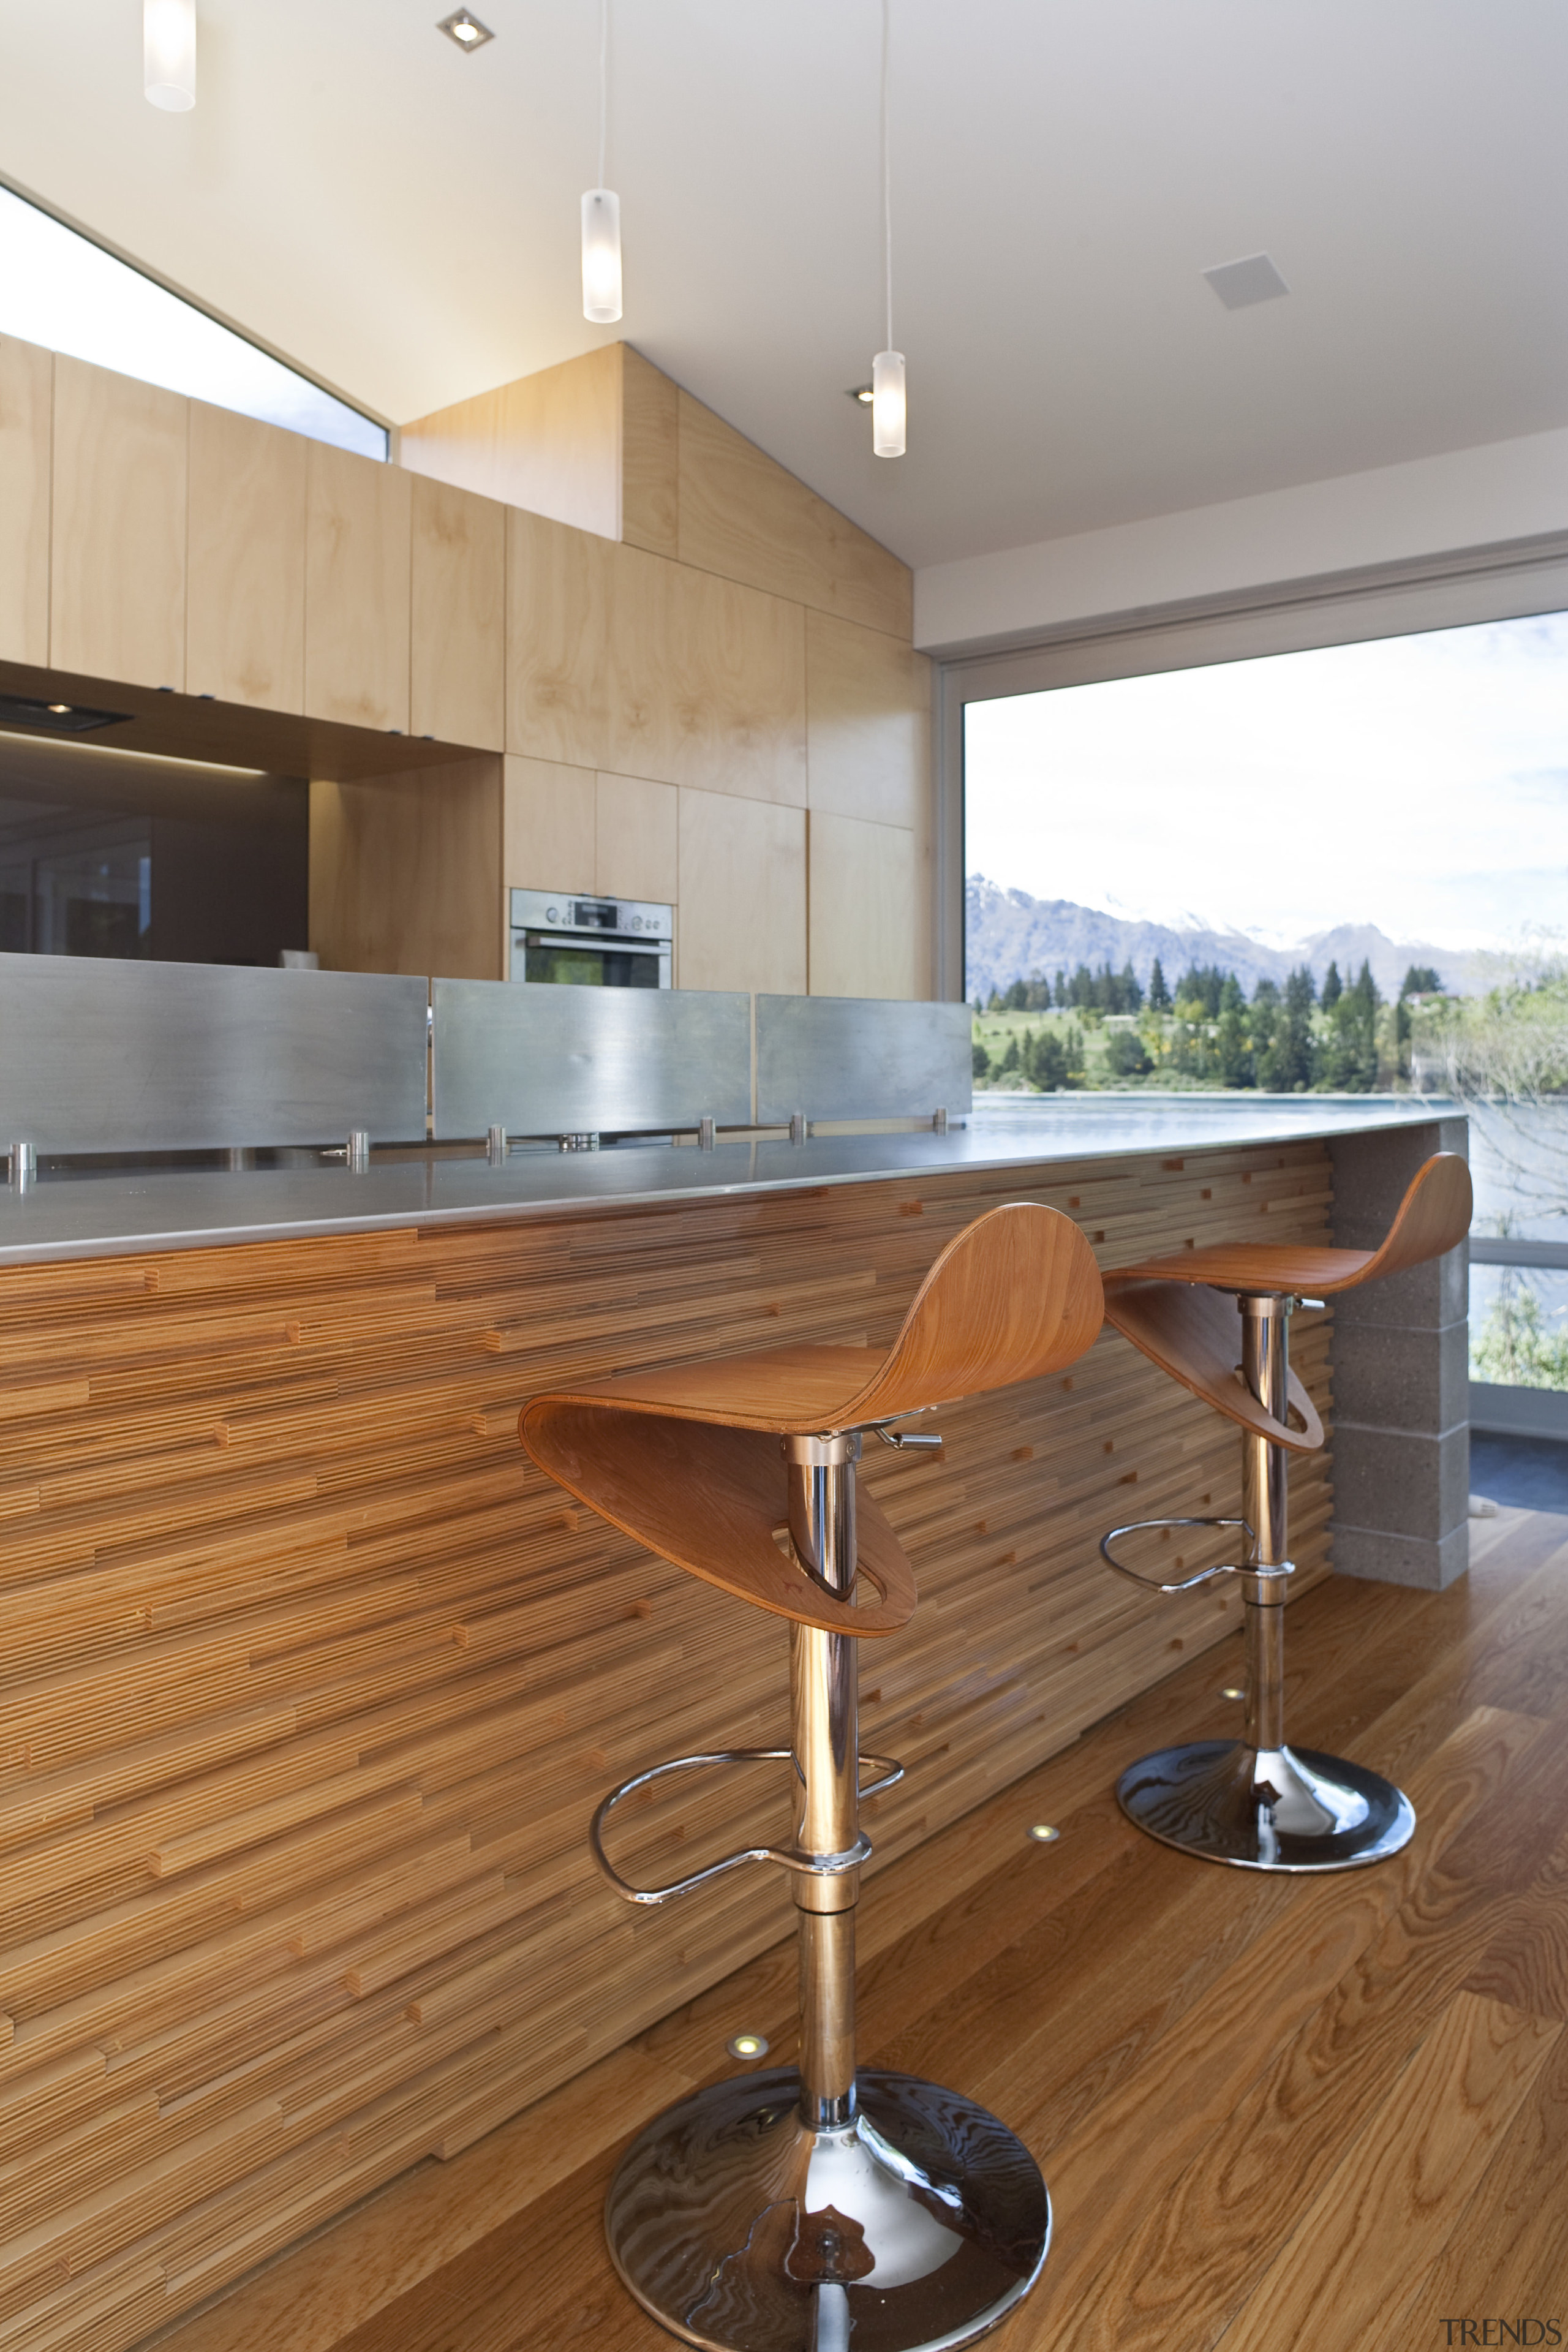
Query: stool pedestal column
(1260, 1804)
(823, 2208)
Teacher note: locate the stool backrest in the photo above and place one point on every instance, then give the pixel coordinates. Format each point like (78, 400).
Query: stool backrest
(1434, 1217)
(1015, 1296)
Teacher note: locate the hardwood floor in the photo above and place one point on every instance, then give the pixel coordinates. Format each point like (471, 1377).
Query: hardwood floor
(1271, 2112)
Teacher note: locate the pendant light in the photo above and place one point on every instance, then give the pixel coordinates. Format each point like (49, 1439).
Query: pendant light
(168, 53)
(889, 406)
(601, 212)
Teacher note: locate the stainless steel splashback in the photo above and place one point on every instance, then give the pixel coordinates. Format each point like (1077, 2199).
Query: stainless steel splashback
(104, 1056)
(562, 1061)
(835, 1058)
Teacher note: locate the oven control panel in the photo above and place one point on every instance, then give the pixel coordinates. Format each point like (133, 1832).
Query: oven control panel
(592, 917)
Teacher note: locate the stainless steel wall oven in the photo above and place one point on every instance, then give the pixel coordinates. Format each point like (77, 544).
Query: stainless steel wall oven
(561, 937)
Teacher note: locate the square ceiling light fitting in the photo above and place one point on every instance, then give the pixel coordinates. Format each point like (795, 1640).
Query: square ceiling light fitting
(466, 30)
(1239, 284)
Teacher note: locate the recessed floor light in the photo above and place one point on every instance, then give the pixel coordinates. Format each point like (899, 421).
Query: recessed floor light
(1233, 1690)
(466, 30)
(1239, 284)
(747, 2045)
(862, 393)
(1045, 1832)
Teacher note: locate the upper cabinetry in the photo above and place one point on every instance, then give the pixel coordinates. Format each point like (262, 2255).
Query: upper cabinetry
(152, 542)
(609, 445)
(699, 673)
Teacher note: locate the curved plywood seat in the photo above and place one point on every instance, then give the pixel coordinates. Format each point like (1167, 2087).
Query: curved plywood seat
(687, 1459)
(1434, 1217)
(711, 1499)
(1194, 1334)
(1015, 1296)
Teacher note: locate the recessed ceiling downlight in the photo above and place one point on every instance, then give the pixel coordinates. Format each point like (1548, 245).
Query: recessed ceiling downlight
(862, 393)
(466, 30)
(1239, 284)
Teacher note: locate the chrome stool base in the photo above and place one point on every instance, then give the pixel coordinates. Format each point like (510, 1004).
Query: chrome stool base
(1287, 1808)
(915, 2227)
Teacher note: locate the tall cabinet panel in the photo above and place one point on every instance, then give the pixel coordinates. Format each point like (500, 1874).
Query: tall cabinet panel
(357, 533)
(867, 715)
(868, 893)
(458, 686)
(27, 395)
(117, 570)
(743, 895)
(622, 660)
(245, 634)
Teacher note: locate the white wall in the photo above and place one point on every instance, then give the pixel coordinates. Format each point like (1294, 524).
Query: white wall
(1429, 507)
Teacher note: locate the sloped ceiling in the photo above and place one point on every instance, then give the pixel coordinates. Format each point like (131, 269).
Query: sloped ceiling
(402, 219)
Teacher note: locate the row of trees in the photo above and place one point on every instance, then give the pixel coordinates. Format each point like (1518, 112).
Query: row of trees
(1086, 991)
(1287, 1040)
(1204, 992)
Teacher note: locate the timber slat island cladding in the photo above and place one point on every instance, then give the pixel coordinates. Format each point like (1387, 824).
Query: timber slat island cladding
(311, 1682)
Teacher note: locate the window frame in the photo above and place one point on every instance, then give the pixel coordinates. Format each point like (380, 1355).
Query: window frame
(1507, 582)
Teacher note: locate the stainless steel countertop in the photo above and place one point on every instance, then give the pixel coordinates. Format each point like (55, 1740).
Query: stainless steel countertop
(121, 1215)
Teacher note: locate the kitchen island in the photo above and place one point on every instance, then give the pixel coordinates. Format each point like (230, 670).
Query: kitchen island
(311, 1682)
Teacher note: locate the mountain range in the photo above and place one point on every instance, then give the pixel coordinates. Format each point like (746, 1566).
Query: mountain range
(1009, 936)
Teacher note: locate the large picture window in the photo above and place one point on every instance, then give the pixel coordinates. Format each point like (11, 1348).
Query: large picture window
(1335, 871)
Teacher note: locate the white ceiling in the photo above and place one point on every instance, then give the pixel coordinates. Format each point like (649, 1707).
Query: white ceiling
(402, 219)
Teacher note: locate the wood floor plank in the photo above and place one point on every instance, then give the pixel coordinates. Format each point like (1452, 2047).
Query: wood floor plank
(1507, 2250)
(324, 2290)
(1353, 2262)
(1177, 2189)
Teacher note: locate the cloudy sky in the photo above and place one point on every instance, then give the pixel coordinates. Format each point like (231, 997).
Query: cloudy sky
(1420, 784)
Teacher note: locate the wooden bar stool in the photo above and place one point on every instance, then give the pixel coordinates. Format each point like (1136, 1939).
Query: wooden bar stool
(1259, 1802)
(811, 2208)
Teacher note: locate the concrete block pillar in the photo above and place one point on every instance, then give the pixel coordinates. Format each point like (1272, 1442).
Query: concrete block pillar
(1401, 1365)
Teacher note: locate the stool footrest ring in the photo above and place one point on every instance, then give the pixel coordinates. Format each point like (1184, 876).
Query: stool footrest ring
(1221, 1568)
(812, 1865)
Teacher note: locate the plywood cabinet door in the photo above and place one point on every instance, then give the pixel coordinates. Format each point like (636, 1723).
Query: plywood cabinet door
(870, 919)
(650, 455)
(27, 399)
(868, 724)
(637, 828)
(244, 638)
(547, 826)
(622, 660)
(742, 515)
(458, 685)
(116, 567)
(357, 571)
(743, 895)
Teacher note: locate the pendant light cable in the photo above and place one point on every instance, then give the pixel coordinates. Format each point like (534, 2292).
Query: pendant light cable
(602, 210)
(888, 403)
(887, 178)
(604, 85)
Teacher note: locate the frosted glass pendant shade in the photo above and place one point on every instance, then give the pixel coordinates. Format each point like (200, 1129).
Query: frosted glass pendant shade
(602, 256)
(887, 405)
(168, 53)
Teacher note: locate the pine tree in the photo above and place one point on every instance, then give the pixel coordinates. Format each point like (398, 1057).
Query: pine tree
(1159, 994)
